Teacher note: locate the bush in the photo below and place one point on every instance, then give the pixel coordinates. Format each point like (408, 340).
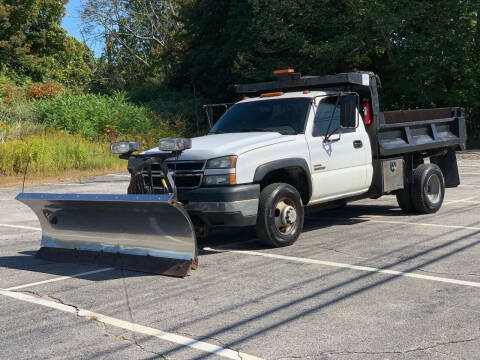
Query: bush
(94, 117)
(44, 91)
(54, 152)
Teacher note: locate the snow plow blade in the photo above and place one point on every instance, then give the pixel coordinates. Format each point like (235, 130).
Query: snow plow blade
(146, 233)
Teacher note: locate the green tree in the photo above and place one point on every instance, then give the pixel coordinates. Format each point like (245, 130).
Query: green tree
(34, 45)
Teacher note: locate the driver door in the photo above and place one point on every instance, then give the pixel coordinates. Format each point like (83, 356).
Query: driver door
(338, 164)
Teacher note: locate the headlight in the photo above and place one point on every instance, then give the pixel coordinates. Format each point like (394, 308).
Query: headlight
(225, 162)
(174, 144)
(226, 179)
(124, 147)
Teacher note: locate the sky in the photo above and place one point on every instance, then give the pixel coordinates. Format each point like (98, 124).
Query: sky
(73, 24)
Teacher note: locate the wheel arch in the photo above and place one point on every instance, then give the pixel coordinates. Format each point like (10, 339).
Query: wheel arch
(288, 170)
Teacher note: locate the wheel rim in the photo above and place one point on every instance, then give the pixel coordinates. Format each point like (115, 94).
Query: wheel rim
(433, 189)
(285, 216)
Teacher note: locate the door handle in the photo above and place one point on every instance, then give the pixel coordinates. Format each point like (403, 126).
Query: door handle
(357, 144)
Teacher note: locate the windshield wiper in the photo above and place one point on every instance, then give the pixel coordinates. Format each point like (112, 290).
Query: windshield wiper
(255, 130)
(216, 132)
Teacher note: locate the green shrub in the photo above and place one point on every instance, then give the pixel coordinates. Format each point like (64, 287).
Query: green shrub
(54, 152)
(93, 116)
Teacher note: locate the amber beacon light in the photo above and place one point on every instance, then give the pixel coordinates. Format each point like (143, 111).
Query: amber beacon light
(283, 71)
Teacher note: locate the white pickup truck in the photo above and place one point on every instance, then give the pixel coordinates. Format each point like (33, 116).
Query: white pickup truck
(302, 141)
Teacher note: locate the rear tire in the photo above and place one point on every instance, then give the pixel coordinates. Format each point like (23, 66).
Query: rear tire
(428, 189)
(404, 199)
(280, 215)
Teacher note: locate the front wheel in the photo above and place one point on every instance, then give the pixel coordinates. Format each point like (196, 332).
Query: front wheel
(280, 215)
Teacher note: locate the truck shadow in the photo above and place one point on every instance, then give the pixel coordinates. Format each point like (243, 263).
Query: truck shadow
(315, 218)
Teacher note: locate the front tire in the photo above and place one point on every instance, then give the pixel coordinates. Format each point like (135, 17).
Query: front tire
(428, 189)
(280, 215)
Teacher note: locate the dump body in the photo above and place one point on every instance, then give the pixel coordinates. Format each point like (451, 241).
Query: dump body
(410, 131)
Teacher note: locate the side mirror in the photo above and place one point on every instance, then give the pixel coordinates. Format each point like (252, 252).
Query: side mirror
(348, 111)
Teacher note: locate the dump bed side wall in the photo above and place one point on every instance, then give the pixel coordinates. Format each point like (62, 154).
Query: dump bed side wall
(410, 131)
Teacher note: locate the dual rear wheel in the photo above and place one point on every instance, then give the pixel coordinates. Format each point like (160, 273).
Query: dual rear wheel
(425, 195)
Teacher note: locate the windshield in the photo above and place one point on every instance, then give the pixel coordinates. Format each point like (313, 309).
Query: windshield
(286, 116)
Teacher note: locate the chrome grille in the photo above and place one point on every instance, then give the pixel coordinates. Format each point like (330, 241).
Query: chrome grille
(189, 174)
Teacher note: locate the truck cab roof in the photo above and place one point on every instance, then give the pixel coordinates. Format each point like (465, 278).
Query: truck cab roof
(288, 95)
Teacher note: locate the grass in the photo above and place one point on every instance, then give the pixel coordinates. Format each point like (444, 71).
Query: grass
(54, 153)
(65, 135)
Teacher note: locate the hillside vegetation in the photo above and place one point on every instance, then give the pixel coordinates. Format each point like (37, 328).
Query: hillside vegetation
(162, 59)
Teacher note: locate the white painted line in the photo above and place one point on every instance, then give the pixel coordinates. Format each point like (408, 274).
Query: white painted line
(59, 279)
(133, 327)
(21, 227)
(348, 266)
(420, 224)
(372, 218)
(467, 200)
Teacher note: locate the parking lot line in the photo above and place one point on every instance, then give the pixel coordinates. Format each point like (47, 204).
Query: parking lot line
(59, 279)
(415, 223)
(348, 266)
(21, 227)
(133, 327)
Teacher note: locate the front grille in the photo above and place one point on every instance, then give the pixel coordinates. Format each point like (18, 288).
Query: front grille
(189, 174)
(186, 165)
(181, 181)
(191, 181)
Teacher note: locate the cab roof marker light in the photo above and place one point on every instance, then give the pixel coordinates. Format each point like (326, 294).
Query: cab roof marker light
(264, 95)
(283, 71)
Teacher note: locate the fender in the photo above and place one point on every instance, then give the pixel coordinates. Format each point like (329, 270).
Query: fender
(264, 169)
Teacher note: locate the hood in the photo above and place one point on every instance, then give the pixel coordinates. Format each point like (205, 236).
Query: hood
(216, 145)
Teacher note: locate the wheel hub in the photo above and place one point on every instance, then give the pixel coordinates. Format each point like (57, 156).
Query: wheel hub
(285, 216)
(289, 215)
(433, 189)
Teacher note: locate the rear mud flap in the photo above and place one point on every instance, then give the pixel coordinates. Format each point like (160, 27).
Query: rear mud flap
(147, 233)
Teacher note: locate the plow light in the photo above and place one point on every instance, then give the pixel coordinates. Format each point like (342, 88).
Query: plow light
(174, 144)
(124, 147)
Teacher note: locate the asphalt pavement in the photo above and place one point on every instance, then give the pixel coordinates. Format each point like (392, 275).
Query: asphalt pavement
(363, 282)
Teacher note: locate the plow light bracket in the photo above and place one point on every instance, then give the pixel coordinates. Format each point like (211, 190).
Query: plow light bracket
(174, 144)
(124, 147)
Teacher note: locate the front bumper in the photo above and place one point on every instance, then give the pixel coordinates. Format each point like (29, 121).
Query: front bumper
(223, 206)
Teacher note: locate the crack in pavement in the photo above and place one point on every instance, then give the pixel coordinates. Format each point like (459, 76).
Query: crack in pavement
(346, 352)
(53, 298)
(447, 273)
(124, 338)
(92, 318)
(221, 342)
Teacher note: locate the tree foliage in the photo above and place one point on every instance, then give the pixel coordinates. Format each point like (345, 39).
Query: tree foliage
(34, 46)
(138, 35)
